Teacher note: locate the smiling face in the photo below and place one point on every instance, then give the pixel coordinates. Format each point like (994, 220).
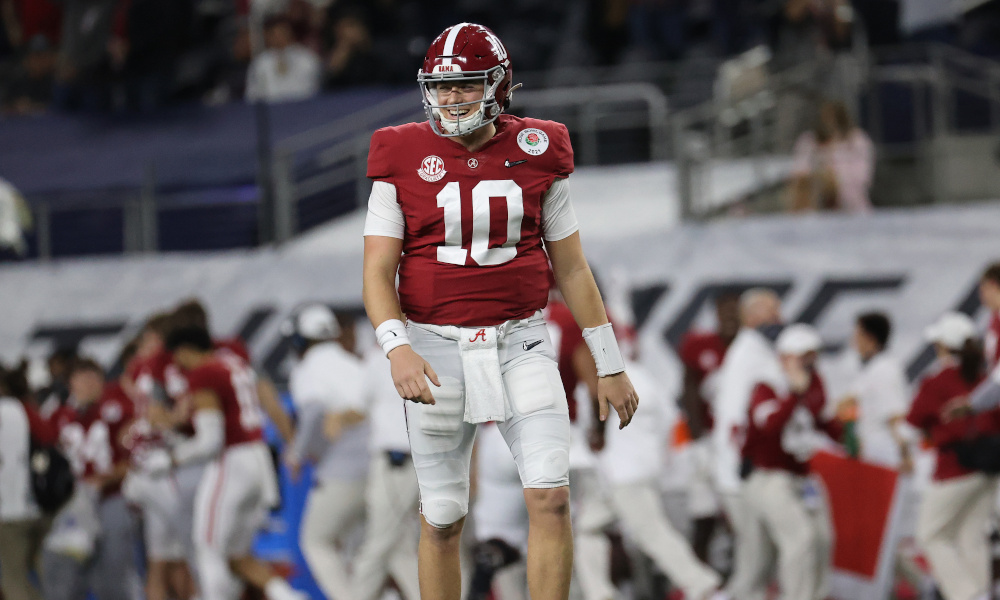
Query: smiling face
(458, 94)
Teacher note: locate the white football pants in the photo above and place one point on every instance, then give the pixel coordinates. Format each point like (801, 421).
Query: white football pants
(640, 511)
(952, 528)
(332, 508)
(753, 555)
(390, 546)
(800, 528)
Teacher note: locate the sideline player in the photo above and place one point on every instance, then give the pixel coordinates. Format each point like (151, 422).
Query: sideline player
(90, 425)
(238, 487)
(391, 500)
(460, 207)
(750, 359)
(784, 430)
(702, 353)
(327, 390)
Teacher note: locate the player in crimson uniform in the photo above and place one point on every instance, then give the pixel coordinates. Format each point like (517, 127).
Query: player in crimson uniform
(784, 430)
(90, 427)
(238, 488)
(952, 522)
(468, 208)
(701, 353)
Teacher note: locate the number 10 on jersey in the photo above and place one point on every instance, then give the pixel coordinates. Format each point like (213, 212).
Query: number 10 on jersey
(450, 199)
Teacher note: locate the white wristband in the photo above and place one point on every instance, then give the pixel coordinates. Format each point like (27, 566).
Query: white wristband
(604, 348)
(391, 334)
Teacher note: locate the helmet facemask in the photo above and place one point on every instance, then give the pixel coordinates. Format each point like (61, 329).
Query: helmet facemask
(482, 112)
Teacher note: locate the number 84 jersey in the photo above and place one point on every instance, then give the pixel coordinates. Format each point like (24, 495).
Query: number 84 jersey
(472, 223)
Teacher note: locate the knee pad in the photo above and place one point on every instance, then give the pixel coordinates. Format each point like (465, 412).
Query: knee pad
(442, 512)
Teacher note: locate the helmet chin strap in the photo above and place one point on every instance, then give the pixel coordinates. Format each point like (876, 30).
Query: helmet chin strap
(455, 126)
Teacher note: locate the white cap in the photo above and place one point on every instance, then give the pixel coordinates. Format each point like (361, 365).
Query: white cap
(317, 322)
(798, 339)
(951, 330)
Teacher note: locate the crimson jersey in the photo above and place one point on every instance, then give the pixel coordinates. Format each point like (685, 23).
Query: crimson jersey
(925, 414)
(91, 436)
(767, 417)
(702, 352)
(233, 382)
(566, 337)
(472, 247)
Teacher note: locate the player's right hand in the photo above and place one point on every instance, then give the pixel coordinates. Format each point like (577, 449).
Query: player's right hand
(408, 373)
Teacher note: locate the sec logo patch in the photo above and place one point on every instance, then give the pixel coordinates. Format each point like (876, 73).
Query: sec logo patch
(432, 169)
(533, 141)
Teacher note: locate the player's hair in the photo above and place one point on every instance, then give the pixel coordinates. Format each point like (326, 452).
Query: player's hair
(992, 273)
(158, 323)
(67, 354)
(86, 364)
(972, 361)
(128, 352)
(14, 382)
(190, 313)
(191, 337)
(876, 325)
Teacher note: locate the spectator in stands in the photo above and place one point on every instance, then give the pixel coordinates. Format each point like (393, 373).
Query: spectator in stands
(834, 164)
(286, 70)
(22, 524)
(802, 30)
(15, 217)
(955, 511)
(30, 88)
(84, 71)
(155, 34)
(230, 78)
(350, 60)
(657, 28)
(25, 19)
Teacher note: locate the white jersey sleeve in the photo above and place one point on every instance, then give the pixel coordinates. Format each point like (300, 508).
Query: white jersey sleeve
(558, 217)
(385, 216)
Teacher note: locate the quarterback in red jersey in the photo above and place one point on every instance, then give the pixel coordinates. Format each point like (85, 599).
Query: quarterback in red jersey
(467, 208)
(238, 487)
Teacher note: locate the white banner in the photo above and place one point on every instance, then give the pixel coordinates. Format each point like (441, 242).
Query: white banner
(912, 264)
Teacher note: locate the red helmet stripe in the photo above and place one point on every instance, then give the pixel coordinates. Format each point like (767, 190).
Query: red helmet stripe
(449, 43)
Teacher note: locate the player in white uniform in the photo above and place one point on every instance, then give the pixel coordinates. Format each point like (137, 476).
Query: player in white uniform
(750, 360)
(391, 500)
(631, 465)
(329, 396)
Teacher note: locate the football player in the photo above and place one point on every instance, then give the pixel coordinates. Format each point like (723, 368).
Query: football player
(468, 208)
(90, 427)
(238, 487)
(784, 430)
(702, 352)
(325, 388)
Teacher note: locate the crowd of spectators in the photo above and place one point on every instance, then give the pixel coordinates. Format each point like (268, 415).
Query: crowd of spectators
(141, 54)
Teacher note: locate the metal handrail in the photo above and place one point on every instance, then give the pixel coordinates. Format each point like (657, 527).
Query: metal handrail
(346, 139)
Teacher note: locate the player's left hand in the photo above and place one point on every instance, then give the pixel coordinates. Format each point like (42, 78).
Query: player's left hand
(617, 391)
